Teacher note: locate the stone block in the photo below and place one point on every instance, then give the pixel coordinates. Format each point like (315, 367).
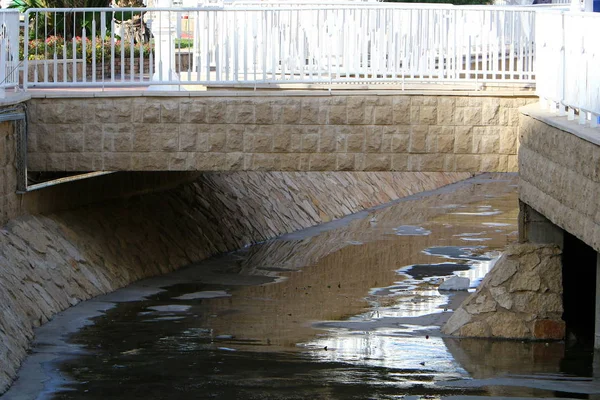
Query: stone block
(356, 143)
(210, 161)
(418, 139)
(468, 163)
(401, 110)
(265, 162)
(289, 162)
(328, 142)
(490, 114)
(431, 163)
(291, 114)
(463, 140)
(508, 141)
(93, 137)
(150, 113)
(323, 162)
(446, 110)
(165, 139)
(169, 111)
(427, 115)
(216, 111)
(234, 161)
(345, 162)
(263, 113)
(117, 162)
(337, 115)
(399, 162)
(245, 114)
(310, 143)
(377, 162)
(383, 115)
(188, 137)
(549, 329)
(234, 139)
(490, 163)
(309, 113)
(486, 144)
(193, 112)
(400, 143)
(373, 139)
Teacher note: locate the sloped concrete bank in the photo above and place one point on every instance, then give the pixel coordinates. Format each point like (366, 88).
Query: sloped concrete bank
(53, 261)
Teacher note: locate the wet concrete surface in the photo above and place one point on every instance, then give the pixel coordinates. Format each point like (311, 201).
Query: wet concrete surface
(347, 310)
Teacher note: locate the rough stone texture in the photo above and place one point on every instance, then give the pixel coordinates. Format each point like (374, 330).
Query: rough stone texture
(515, 300)
(560, 178)
(50, 262)
(8, 173)
(308, 132)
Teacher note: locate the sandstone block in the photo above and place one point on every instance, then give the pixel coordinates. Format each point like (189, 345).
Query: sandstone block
(418, 139)
(467, 162)
(377, 162)
(345, 162)
(323, 162)
(310, 143)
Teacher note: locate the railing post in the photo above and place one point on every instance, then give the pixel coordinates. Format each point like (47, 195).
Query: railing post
(163, 29)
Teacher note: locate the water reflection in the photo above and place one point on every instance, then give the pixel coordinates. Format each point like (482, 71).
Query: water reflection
(349, 310)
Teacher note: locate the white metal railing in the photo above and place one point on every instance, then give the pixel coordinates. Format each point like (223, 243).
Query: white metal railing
(568, 73)
(353, 42)
(9, 50)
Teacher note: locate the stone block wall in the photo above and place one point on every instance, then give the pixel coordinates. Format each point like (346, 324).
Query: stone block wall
(560, 173)
(294, 132)
(9, 201)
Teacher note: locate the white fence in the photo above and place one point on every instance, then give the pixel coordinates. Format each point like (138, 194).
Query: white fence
(9, 50)
(236, 45)
(568, 69)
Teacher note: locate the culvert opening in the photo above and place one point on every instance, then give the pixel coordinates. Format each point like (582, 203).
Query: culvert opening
(579, 290)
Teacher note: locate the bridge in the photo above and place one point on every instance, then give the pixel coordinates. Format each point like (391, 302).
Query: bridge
(269, 86)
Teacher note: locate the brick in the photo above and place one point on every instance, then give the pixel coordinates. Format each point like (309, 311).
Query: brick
(282, 142)
(210, 161)
(356, 143)
(234, 161)
(151, 112)
(490, 163)
(309, 112)
(508, 141)
(217, 139)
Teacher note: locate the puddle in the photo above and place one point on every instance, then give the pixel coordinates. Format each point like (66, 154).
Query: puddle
(343, 311)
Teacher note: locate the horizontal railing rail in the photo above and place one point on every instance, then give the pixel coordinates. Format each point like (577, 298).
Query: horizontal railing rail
(359, 42)
(568, 76)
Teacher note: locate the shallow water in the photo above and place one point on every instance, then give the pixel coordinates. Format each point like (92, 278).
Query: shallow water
(349, 310)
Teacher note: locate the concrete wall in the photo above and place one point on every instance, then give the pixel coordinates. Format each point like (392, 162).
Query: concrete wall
(311, 131)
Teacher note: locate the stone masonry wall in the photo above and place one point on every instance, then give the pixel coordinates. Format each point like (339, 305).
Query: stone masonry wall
(560, 177)
(53, 261)
(8, 172)
(520, 298)
(312, 131)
